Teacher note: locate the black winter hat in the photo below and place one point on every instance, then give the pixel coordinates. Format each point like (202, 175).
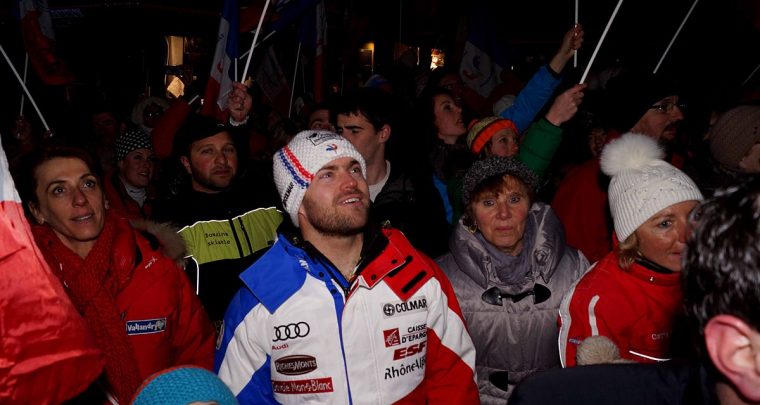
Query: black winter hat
(630, 94)
(195, 128)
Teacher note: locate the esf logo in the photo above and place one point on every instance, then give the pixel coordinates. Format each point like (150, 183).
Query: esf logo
(405, 352)
(404, 307)
(291, 331)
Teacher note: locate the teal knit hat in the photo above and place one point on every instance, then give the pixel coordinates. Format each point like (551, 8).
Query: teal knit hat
(183, 385)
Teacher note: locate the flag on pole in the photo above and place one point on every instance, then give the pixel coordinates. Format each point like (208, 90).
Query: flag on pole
(483, 57)
(313, 36)
(222, 73)
(39, 41)
(48, 354)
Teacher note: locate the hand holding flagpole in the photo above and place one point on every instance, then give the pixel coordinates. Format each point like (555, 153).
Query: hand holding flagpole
(678, 31)
(253, 45)
(599, 44)
(26, 90)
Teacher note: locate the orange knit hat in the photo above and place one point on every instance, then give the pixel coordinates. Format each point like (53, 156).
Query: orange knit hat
(481, 131)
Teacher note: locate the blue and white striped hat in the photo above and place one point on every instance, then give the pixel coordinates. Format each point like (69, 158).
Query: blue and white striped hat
(296, 163)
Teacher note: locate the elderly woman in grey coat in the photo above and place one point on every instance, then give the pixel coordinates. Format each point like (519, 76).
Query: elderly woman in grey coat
(510, 267)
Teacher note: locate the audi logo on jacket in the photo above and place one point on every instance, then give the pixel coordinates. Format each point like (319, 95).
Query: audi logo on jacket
(297, 331)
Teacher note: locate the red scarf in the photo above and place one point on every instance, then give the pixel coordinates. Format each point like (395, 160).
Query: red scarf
(93, 284)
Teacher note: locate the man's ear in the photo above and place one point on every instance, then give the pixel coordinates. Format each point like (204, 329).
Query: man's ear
(734, 348)
(36, 213)
(384, 133)
(186, 163)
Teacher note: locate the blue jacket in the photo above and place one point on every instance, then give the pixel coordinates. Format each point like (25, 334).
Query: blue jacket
(299, 332)
(532, 98)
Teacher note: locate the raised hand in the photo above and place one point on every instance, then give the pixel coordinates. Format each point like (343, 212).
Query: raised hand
(566, 105)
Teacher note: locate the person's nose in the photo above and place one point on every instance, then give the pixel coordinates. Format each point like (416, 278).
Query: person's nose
(676, 112)
(503, 211)
(682, 230)
(220, 158)
(78, 198)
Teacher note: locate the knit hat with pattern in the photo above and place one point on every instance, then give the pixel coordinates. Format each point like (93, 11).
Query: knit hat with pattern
(131, 140)
(734, 134)
(642, 182)
(297, 162)
(496, 165)
(183, 385)
(483, 130)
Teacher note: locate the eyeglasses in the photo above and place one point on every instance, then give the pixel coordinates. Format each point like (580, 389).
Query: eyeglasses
(667, 106)
(495, 296)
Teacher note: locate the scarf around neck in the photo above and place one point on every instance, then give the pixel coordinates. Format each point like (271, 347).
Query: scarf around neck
(92, 284)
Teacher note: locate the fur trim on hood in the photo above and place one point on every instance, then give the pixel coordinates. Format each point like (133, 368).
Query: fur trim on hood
(165, 237)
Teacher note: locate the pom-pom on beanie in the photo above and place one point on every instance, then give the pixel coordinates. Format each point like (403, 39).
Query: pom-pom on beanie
(732, 136)
(183, 385)
(296, 163)
(642, 182)
(483, 130)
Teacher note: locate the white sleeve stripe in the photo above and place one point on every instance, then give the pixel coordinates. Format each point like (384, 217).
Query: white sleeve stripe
(451, 330)
(647, 357)
(592, 315)
(244, 355)
(566, 320)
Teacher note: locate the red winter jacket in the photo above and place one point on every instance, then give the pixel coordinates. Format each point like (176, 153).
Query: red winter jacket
(162, 316)
(635, 308)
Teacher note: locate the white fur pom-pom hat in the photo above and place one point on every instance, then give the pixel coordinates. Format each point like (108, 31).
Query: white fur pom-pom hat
(642, 182)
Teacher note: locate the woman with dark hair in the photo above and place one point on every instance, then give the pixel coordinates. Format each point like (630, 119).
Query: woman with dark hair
(136, 300)
(509, 267)
(633, 295)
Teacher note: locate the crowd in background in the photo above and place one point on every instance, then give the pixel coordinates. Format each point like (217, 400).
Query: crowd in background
(560, 214)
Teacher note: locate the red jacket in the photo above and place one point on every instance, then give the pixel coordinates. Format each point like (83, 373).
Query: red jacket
(635, 308)
(119, 200)
(162, 316)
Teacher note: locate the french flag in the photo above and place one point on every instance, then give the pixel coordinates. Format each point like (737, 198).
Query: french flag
(39, 41)
(223, 67)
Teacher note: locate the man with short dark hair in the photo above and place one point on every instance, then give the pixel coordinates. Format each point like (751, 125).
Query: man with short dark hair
(226, 226)
(401, 197)
(722, 291)
(339, 311)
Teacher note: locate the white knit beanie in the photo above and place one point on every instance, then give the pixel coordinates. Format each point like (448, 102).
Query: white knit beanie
(642, 183)
(296, 163)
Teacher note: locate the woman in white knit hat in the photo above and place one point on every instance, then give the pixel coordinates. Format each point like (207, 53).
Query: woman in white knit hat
(633, 294)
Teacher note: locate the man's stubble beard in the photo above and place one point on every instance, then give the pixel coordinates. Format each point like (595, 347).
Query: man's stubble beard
(329, 222)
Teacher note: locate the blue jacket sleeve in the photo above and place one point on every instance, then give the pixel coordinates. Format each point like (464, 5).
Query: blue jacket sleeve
(532, 98)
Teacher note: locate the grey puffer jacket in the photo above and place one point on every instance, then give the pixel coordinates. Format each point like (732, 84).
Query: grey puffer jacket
(518, 338)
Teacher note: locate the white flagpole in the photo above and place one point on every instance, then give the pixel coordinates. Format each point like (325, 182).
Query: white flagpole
(750, 75)
(672, 40)
(23, 86)
(575, 54)
(257, 45)
(599, 44)
(26, 69)
(255, 37)
(295, 74)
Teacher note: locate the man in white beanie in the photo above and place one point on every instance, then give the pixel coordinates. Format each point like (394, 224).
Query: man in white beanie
(341, 312)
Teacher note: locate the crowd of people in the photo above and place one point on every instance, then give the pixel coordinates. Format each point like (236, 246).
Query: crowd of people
(382, 248)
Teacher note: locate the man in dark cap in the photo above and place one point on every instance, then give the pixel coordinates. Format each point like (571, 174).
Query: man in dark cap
(226, 226)
(634, 101)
